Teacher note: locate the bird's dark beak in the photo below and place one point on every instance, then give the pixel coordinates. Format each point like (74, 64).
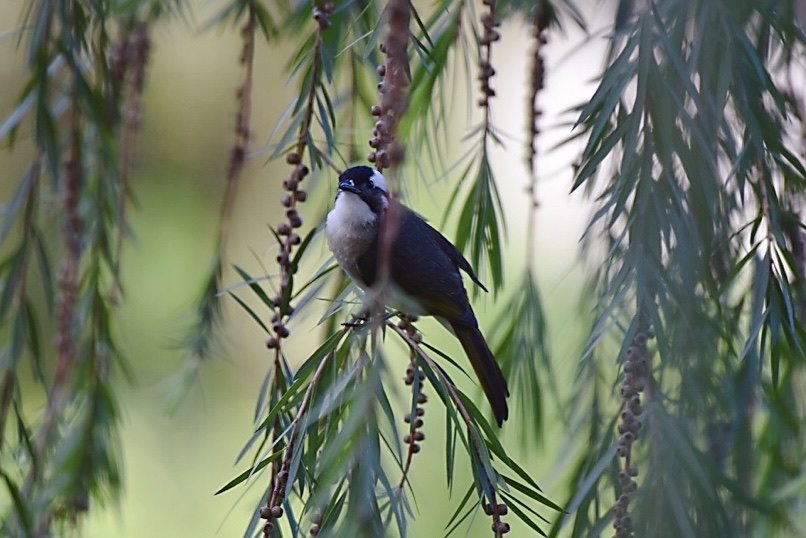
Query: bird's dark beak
(349, 186)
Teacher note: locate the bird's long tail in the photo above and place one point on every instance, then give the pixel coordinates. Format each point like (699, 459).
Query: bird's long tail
(487, 370)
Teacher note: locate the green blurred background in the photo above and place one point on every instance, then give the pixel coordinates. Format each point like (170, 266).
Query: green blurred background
(175, 457)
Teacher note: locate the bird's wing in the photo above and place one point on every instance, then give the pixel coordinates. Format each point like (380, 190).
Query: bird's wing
(451, 251)
(425, 266)
(424, 269)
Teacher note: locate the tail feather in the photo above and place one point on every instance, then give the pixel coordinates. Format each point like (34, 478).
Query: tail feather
(487, 370)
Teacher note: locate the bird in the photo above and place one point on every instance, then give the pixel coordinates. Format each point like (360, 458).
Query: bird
(423, 264)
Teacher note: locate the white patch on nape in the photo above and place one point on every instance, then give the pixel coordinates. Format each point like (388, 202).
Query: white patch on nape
(379, 181)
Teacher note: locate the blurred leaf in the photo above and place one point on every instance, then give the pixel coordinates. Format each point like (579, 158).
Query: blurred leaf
(244, 476)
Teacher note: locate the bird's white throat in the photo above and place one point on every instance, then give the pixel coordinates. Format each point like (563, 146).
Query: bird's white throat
(350, 215)
(351, 225)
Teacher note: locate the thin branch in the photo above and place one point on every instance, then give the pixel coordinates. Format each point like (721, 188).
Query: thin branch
(289, 239)
(274, 510)
(537, 82)
(132, 55)
(389, 152)
(70, 190)
(486, 70)
(243, 117)
(414, 378)
(494, 509)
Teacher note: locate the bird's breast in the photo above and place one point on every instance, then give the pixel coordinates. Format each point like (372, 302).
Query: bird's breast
(350, 228)
(347, 248)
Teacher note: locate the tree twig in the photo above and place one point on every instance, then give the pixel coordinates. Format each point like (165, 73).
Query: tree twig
(495, 510)
(274, 510)
(414, 378)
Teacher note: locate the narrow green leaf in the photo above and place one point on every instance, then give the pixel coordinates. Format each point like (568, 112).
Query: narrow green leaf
(244, 476)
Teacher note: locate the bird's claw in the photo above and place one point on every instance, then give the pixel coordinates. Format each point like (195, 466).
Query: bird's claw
(358, 321)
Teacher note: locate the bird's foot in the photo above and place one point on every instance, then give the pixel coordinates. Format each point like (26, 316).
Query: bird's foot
(358, 320)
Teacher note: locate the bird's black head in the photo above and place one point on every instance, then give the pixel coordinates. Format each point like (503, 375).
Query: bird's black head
(368, 184)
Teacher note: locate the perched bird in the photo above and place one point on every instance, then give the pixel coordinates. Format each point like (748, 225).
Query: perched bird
(423, 264)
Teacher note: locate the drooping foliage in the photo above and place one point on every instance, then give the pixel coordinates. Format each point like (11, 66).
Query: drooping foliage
(687, 404)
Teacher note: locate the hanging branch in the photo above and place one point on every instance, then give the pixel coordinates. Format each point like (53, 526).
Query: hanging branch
(288, 239)
(273, 509)
(136, 49)
(414, 378)
(70, 187)
(486, 71)
(636, 371)
(493, 509)
(537, 79)
(83, 99)
(481, 225)
(71, 182)
(240, 145)
(201, 338)
(128, 70)
(388, 151)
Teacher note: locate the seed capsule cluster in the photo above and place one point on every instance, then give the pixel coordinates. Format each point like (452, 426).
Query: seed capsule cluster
(537, 77)
(321, 14)
(496, 511)
(489, 35)
(275, 511)
(387, 152)
(414, 378)
(636, 370)
(382, 135)
(289, 238)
